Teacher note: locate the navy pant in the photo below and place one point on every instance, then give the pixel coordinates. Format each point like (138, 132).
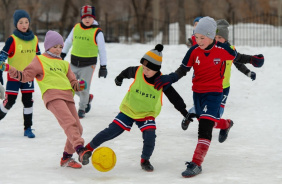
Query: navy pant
(122, 123)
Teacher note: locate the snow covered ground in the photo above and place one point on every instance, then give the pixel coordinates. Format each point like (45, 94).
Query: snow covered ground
(252, 153)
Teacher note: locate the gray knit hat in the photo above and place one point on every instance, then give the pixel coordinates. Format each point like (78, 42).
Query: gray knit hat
(207, 27)
(222, 28)
(153, 58)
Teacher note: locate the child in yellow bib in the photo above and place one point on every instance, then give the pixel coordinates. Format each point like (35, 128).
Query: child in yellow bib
(141, 105)
(57, 84)
(87, 42)
(20, 48)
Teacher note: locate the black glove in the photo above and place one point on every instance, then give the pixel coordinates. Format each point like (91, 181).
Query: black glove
(186, 120)
(118, 81)
(257, 60)
(103, 71)
(252, 75)
(63, 55)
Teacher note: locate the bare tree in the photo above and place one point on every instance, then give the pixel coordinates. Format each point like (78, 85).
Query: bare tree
(140, 12)
(8, 8)
(165, 39)
(181, 21)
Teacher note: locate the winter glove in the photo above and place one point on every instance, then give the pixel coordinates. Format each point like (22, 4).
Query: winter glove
(63, 55)
(103, 71)
(165, 81)
(2, 92)
(252, 75)
(257, 60)
(3, 57)
(4, 66)
(186, 120)
(118, 81)
(82, 85)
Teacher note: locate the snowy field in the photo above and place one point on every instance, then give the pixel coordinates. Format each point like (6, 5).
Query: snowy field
(252, 154)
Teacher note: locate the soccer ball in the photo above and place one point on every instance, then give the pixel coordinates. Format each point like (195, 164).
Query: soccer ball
(103, 159)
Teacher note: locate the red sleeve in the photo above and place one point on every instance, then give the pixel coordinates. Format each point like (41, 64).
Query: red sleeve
(193, 40)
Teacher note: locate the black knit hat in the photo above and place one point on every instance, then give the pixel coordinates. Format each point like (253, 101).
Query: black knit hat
(153, 58)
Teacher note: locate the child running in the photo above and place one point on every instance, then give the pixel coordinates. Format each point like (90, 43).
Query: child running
(57, 84)
(20, 48)
(87, 41)
(149, 102)
(222, 35)
(208, 59)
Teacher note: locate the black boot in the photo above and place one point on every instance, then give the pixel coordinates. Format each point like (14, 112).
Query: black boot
(146, 165)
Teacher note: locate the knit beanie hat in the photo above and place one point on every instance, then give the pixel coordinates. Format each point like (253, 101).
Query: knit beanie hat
(153, 58)
(18, 14)
(207, 27)
(222, 28)
(87, 11)
(52, 38)
(197, 19)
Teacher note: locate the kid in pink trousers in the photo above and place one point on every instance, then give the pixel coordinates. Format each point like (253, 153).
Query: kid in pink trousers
(57, 84)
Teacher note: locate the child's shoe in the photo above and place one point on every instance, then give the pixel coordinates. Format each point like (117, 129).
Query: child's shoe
(223, 133)
(146, 165)
(70, 162)
(89, 147)
(192, 170)
(81, 114)
(83, 154)
(28, 133)
(87, 109)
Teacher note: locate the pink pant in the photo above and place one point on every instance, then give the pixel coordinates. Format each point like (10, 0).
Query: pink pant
(66, 114)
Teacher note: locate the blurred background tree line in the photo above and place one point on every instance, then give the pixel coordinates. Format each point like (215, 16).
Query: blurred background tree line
(131, 16)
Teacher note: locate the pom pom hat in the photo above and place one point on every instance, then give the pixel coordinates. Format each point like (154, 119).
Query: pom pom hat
(87, 11)
(18, 14)
(207, 27)
(222, 28)
(153, 58)
(52, 38)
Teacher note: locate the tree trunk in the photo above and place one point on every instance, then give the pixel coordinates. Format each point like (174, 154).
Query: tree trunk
(181, 21)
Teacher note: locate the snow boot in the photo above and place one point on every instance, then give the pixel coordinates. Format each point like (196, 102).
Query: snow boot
(223, 133)
(70, 162)
(83, 154)
(81, 114)
(146, 165)
(87, 109)
(28, 133)
(192, 170)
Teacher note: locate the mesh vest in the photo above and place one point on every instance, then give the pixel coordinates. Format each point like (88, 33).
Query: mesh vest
(142, 99)
(55, 74)
(227, 73)
(84, 43)
(24, 52)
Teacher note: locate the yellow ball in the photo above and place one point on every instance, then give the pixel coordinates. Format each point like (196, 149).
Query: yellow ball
(103, 159)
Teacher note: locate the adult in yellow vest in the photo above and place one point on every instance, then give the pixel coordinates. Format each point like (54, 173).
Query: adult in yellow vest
(141, 105)
(20, 48)
(57, 84)
(87, 41)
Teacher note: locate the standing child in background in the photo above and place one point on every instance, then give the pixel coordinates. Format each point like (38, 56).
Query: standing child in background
(20, 48)
(149, 102)
(57, 84)
(192, 41)
(222, 35)
(208, 61)
(87, 41)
